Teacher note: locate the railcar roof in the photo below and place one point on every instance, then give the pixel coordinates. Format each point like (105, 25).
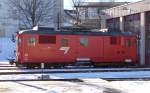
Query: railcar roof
(42, 32)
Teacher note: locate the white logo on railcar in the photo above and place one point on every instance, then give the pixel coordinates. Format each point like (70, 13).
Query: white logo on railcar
(65, 49)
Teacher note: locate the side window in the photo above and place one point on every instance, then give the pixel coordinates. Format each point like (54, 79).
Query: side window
(128, 43)
(84, 41)
(115, 40)
(31, 41)
(47, 39)
(64, 42)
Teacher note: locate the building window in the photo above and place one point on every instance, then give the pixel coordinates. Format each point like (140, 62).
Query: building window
(113, 24)
(64, 42)
(31, 41)
(132, 23)
(86, 13)
(47, 39)
(84, 41)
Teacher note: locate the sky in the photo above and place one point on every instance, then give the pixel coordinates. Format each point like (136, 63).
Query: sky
(68, 3)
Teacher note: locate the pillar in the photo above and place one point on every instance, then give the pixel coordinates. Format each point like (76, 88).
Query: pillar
(122, 24)
(142, 40)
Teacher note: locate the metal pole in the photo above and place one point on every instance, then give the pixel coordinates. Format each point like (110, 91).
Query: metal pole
(42, 67)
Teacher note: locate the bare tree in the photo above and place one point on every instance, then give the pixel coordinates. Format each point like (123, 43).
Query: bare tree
(76, 5)
(32, 12)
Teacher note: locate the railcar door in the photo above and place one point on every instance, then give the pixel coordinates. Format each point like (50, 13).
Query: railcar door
(90, 47)
(66, 48)
(30, 48)
(119, 48)
(112, 49)
(46, 46)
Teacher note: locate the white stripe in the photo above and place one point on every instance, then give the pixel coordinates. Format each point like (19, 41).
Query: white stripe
(65, 49)
(83, 59)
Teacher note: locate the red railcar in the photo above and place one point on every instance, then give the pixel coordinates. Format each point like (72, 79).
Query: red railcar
(69, 47)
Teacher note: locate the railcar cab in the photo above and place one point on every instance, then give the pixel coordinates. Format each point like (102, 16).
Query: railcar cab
(20, 47)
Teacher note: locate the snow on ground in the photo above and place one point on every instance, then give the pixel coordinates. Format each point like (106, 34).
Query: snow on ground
(92, 83)
(18, 77)
(48, 87)
(132, 86)
(89, 86)
(4, 62)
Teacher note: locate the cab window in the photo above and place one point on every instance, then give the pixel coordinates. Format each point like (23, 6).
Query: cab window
(64, 42)
(84, 41)
(31, 41)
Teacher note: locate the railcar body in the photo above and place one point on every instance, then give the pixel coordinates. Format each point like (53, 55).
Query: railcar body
(68, 47)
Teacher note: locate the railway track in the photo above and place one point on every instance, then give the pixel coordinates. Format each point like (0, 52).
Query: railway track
(14, 70)
(14, 67)
(92, 71)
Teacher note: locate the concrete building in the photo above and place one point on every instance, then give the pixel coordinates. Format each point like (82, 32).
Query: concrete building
(90, 13)
(10, 24)
(134, 17)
